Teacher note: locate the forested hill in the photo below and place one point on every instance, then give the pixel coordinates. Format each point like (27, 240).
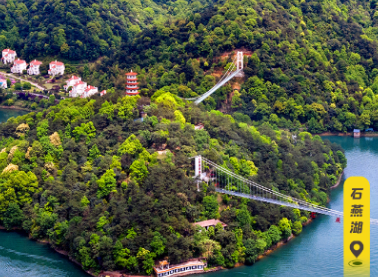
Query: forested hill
(312, 62)
(85, 174)
(81, 30)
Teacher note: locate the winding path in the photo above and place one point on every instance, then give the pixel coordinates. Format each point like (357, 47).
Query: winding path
(24, 80)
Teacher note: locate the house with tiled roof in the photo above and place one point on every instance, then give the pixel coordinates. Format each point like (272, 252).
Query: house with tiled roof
(102, 93)
(56, 68)
(209, 223)
(8, 56)
(19, 66)
(71, 82)
(89, 91)
(34, 67)
(78, 89)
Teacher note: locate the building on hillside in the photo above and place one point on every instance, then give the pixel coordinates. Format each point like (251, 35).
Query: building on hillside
(34, 68)
(102, 93)
(89, 91)
(71, 82)
(132, 83)
(19, 66)
(211, 222)
(56, 68)
(78, 89)
(199, 126)
(3, 82)
(191, 267)
(356, 133)
(8, 56)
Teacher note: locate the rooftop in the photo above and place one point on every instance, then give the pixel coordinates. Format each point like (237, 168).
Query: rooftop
(131, 73)
(73, 77)
(9, 51)
(18, 61)
(210, 222)
(90, 88)
(56, 63)
(190, 263)
(35, 62)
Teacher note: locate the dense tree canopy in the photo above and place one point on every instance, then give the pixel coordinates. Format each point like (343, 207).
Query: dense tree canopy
(94, 185)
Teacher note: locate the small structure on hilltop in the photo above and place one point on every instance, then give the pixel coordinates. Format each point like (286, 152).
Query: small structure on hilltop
(199, 126)
(132, 83)
(102, 93)
(211, 222)
(190, 267)
(3, 82)
(19, 66)
(356, 133)
(8, 56)
(34, 68)
(56, 68)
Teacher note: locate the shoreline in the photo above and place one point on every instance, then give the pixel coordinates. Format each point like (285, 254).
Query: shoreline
(121, 273)
(338, 181)
(14, 108)
(362, 134)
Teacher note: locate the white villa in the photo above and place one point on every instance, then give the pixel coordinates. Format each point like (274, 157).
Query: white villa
(34, 68)
(8, 56)
(19, 66)
(89, 91)
(80, 88)
(56, 68)
(71, 82)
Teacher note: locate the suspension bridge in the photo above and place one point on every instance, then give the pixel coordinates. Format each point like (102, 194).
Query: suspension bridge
(227, 182)
(234, 70)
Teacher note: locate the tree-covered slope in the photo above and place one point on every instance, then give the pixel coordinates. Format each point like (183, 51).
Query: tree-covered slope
(85, 175)
(312, 62)
(81, 30)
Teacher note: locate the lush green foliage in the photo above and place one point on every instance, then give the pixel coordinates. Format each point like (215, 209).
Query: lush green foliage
(94, 185)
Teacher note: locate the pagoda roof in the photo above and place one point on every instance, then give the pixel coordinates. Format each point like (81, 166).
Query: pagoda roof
(131, 73)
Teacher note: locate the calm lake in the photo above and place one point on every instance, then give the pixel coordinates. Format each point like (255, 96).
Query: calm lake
(316, 252)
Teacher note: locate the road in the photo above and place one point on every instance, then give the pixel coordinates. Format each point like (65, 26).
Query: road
(24, 80)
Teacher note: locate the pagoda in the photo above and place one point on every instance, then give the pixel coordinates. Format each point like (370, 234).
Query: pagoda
(132, 83)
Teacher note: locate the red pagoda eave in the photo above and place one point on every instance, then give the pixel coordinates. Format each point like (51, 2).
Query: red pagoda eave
(131, 74)
(132, 88)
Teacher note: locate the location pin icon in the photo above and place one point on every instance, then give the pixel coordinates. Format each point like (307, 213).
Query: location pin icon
(359, 250)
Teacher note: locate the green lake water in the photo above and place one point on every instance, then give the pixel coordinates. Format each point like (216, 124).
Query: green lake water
(8, 113)
(316, 252)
